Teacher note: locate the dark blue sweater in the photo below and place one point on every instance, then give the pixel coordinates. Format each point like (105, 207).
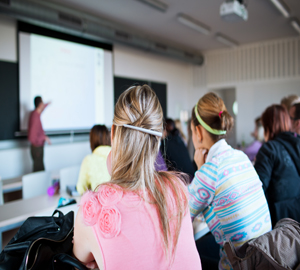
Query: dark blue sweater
(278, 166)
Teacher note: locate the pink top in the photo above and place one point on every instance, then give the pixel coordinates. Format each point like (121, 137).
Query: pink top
(36, 134)
(127, 231)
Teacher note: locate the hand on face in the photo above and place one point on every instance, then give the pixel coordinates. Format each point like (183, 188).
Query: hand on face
(200, 156)
(200, 152)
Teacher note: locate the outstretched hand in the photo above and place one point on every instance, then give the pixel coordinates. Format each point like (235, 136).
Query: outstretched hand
(200, 157)
(47, 140)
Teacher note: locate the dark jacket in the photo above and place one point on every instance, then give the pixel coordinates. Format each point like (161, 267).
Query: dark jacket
(275, 250)
(176, 154)
(278, 166)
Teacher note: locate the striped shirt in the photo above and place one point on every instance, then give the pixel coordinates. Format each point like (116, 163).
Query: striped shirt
(228, 192)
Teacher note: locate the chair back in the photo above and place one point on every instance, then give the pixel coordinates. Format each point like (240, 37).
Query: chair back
(68, 177)
(35, 184)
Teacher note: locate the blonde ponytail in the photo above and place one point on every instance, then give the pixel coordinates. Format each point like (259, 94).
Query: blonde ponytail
(213, 112)
(133, 157)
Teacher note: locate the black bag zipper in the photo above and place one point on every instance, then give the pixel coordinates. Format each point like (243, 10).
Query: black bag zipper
(36, 254)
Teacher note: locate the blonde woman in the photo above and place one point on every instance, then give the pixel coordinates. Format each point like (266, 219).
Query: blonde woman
(226, 187)
(140, 219)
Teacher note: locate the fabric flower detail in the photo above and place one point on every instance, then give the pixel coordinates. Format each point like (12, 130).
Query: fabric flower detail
(91, 208)
(110, 222)
(109, 195)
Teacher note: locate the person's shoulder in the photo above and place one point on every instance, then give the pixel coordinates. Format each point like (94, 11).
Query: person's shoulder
(271, 146)
(101, 206)
(102, 151)
(34, 114)
(88, 157)
(222, 156)
(269, 150)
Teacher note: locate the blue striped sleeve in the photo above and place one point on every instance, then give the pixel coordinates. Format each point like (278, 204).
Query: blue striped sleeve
(202, 189)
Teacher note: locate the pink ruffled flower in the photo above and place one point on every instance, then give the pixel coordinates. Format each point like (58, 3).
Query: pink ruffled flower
(109, 195)
(109, 222)
(91, 208)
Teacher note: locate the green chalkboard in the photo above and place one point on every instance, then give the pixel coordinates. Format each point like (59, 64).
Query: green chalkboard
(121, 84)
(9, 100)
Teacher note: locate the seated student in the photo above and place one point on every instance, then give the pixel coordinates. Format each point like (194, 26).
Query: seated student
(140, 219)
(175, 151)
(226, 188)
(93, 170)
(278, 165)
(294, 113)
(258, 135)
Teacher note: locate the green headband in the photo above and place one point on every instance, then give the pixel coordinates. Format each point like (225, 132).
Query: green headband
(207, 127)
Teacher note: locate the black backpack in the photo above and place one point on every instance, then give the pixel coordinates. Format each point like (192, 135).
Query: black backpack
(42, 243)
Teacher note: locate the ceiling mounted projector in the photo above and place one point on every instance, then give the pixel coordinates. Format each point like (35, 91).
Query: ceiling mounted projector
(233, 10)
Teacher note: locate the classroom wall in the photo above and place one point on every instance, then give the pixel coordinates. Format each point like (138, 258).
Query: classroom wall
(260, 95)
(262, 74)
(253, 98)
(180, 77)
(183, 87)
(8, 40)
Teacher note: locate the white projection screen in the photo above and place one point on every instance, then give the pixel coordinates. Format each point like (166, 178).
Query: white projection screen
(76, 78)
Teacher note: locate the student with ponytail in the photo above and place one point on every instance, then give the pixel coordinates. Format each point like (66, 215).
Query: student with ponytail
(140, 219)
(226, 188)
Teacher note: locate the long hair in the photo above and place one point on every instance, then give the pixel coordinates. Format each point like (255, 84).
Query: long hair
(133, 156)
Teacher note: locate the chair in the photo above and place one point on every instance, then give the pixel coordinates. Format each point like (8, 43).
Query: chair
(1, 192)
(68, 177)
(35, 184)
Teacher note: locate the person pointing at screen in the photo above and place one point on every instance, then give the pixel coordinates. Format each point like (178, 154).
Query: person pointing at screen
(36, 135)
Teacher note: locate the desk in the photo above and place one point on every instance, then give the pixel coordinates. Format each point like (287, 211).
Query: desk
(13, 214)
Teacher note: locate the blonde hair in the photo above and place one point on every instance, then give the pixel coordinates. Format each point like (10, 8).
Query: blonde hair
(289, 101)
(213, 112)
(133, 157)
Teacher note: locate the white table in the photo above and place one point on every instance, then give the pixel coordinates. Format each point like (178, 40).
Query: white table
(13, 214)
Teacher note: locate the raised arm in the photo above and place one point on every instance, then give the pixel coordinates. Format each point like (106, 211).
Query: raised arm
(45, 105)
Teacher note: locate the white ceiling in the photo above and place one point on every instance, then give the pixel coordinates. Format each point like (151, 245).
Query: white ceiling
(265, 22)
